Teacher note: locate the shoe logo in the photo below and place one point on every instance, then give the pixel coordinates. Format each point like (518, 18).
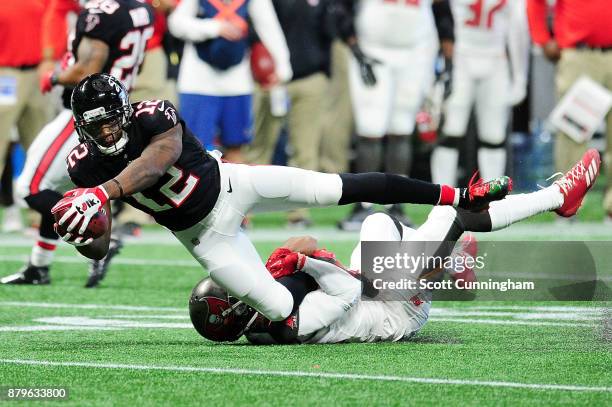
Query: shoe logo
(229, 191)
(86, 205)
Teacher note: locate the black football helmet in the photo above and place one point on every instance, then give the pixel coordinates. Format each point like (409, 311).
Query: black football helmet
(216, 315)
(102, 110)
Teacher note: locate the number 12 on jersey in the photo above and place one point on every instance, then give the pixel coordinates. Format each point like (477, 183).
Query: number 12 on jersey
(175, 198)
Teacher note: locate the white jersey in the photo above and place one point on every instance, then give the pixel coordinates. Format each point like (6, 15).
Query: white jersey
(198, 77)
(375, 321)
(483, 27)
(394, 23)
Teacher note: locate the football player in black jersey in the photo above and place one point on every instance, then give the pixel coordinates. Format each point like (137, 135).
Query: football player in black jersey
(110, 36)
(143, 154)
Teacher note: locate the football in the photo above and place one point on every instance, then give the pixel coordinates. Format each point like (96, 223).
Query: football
(98, 225)
(262, 65)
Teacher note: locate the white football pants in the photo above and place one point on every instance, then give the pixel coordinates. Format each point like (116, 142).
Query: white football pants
(218, 243)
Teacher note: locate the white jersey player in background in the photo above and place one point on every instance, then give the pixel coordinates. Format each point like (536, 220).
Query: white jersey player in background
(490, 65)
(401, 36)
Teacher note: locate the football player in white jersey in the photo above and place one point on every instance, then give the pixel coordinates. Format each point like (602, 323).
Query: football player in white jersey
(489, 73)
(332, 309)
(401, 36)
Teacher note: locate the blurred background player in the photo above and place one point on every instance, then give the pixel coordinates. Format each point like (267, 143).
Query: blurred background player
(215, 84)
(22, 105)
(150, 84)
(338, 113)
(111, 39)
(399, 37)
(581, 44)
(485, 32)
(309, 29)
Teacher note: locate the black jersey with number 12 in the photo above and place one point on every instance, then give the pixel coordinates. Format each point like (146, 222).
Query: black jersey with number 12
(179, 199)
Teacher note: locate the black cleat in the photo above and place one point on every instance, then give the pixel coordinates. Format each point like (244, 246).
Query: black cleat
(29, 275)
(353, 222)
(98, 268)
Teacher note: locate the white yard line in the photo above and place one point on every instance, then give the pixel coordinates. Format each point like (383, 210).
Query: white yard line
(88, 306)
(317, 375)
(507, 322)
(529, 231)
(117, 260)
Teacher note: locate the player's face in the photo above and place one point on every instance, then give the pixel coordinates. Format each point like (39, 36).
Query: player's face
(110, 133)
(107, 133)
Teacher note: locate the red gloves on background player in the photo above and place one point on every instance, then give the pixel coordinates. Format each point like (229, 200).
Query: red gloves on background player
(283, 262)
(47, 81)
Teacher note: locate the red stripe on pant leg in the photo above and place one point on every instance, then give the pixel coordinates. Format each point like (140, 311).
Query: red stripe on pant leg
(45, 246)
(50, 156)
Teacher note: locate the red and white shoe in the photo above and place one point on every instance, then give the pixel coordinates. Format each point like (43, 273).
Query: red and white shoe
(577, 181)
(467, 247)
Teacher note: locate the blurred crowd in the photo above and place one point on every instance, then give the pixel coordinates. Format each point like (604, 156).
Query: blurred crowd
(433, 89)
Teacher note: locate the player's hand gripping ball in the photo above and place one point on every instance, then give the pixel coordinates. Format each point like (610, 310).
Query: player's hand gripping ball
(97, 226)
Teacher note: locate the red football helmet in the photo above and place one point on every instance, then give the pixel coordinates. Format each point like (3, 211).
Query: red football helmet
(262, 65)
(216, 315)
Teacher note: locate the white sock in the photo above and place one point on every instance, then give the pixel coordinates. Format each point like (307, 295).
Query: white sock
(444, 161)
(514, 208)
(491, 162)
(43, 252)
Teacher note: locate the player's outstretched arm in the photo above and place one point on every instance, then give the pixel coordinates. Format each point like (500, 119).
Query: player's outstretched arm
(91, 58)
(98, 248)
(163, 151)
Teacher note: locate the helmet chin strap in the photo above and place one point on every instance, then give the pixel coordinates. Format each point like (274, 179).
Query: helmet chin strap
(116, 148)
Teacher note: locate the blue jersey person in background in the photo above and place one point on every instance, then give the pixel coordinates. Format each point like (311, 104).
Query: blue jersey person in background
(215, 83)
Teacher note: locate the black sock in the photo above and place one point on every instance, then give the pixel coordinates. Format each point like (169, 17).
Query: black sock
(474, 221)
(380, 188)
(398, 155)
(42, 203)
(369, 154)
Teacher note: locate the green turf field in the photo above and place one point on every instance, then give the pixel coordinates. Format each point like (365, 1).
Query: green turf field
(130, 342)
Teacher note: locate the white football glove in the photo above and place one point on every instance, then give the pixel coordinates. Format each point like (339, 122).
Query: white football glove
(76, 240)
(84, 204)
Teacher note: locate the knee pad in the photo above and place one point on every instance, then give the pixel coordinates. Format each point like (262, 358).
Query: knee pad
(277, 302)
(316, 189)
(265, 295)
(379, 226)
(297, 185)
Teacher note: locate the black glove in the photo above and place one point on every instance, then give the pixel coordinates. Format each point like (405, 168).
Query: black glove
(365, 65)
